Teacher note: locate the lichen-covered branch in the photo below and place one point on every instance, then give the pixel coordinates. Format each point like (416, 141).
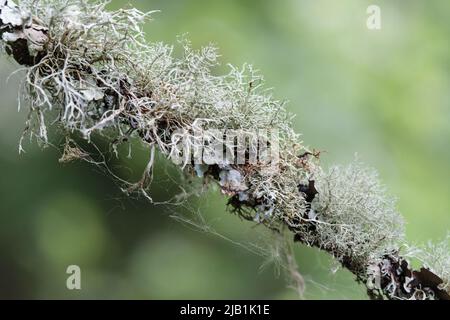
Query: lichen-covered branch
(91, 72)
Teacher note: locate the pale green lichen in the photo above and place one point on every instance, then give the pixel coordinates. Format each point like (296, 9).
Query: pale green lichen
(435, 257)
(353, 215)
(101, 77)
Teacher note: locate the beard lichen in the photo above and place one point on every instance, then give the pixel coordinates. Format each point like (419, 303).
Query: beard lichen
(100, 76)
(353, 216)
(91, 71)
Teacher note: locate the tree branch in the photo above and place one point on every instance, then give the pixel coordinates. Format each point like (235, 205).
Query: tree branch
(96, 70)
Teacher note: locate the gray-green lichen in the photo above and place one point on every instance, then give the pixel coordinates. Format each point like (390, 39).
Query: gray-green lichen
(355, 216)
(91, 72)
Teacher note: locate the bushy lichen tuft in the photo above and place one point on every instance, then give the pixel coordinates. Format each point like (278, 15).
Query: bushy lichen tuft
(353, 216)
(101, 77)
(435, 257)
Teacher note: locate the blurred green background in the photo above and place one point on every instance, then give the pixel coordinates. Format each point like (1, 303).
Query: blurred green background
(384, 94)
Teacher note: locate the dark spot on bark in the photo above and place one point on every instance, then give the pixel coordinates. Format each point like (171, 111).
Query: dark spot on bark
(19, 50)
(309, 191)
